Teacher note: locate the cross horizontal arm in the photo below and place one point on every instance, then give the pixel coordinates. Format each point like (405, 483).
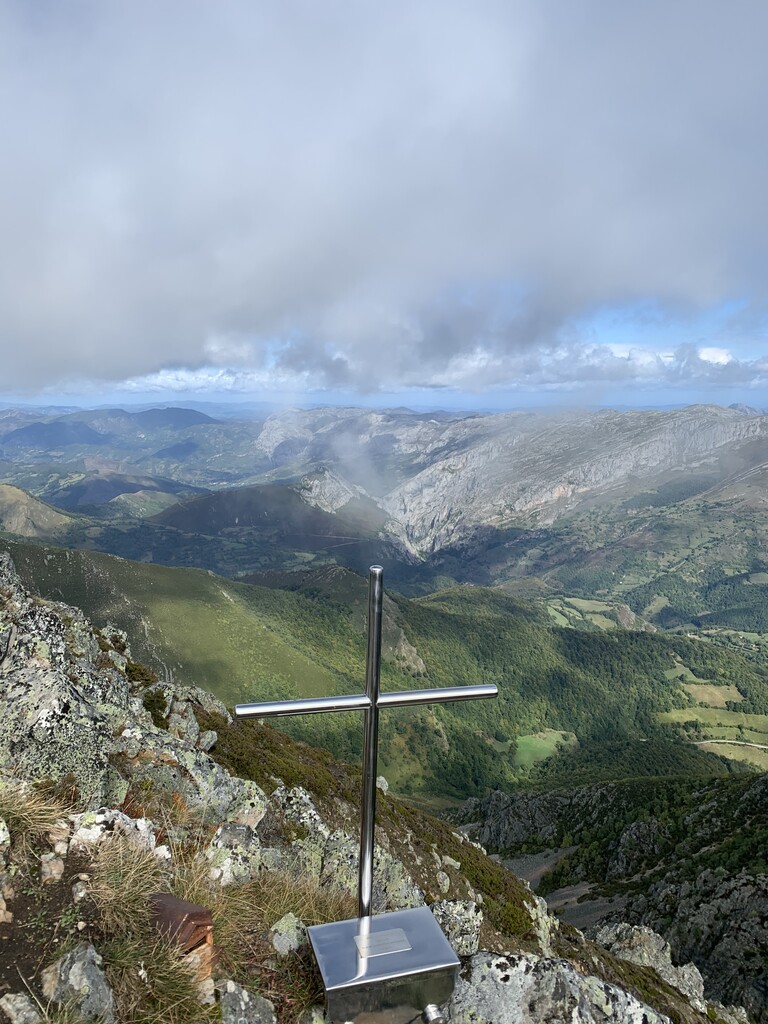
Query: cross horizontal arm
(305, 706)
(409, 698)
(361, 701)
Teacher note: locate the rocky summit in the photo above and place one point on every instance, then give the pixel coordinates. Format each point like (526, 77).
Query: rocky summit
(115, 788)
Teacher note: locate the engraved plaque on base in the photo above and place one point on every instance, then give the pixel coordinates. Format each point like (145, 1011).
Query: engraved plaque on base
(391, 965)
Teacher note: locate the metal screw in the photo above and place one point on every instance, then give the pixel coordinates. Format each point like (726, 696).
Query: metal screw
(433, 1015)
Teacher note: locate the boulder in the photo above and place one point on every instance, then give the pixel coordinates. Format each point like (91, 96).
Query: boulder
(642, 946)
(77, 979)
(526, 989)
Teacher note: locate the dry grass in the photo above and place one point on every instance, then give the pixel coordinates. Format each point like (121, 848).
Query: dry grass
(151, 984)
(124, 876)
(243, 914)
(29, 814)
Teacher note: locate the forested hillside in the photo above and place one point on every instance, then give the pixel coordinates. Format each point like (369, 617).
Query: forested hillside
(558, 687)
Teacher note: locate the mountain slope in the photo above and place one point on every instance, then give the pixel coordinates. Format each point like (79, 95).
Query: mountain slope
(252, 642)
(73, 723)
(25, 516)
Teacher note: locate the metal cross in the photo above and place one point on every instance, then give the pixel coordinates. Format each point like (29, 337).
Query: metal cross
(369, 702)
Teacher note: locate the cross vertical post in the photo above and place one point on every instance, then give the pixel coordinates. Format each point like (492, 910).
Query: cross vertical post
(370, 740)
(395, 964)
(369, 702)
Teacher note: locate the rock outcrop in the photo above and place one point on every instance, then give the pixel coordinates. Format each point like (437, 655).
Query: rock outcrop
(718, 919)
(526, 989)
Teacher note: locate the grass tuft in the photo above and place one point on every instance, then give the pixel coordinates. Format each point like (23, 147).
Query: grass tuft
(125, 875)
(152, 984)
(29, 814)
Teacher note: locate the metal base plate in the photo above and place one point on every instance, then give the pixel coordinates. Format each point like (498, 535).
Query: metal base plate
(398, 963)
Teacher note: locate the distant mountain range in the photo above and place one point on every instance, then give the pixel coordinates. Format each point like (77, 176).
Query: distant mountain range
(632, 506)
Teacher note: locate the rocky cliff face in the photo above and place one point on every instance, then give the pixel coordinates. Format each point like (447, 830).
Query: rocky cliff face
(72, 718)
(442, 480)
(718, 919)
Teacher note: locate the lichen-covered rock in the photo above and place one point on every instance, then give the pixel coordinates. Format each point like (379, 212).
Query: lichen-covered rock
(69, 710)
(49, 730)
(642, 946)
(526, 989)
(239, 1006)
(90, 827)
(19, 1009)
(78, 980)
(288, 935)
(544, 924)
(208, 739)
(460, 921)
(5, 843)
(234, 854)
(294, 836)
(248, 804)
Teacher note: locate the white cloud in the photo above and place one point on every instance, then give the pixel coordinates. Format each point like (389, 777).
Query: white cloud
(374, 194)
(718, 356)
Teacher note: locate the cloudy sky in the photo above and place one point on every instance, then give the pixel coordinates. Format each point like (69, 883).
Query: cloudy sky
(471, 202)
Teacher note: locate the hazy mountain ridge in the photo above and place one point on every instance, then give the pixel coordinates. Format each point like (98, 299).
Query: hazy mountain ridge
(438, 480)
(652, 510)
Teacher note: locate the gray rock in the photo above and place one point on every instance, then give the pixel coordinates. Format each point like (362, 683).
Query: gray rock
(90, 827)
(5, 843)
(722, 925)
(19, 1009)
(526, 989)
(182, 722)
(207, 739)
(545, 925)
(642, 946)
(66, 712)
(49, 729)
(288, 935)
(461, 921)
(239, 1006)
(248, 804)
(234, 854)
(77, 979)
(51, 867)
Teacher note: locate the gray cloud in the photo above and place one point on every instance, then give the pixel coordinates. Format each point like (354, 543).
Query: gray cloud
(356, 193)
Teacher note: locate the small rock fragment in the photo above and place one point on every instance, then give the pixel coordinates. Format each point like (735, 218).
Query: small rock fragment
(239, 1006)
(19, 1009)
(288, 935)
(51, 867)
(78, 980)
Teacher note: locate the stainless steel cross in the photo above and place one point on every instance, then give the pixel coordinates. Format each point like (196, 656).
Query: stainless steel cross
(369, 702)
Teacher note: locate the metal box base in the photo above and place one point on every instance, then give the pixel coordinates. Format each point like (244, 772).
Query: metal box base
(392, 966)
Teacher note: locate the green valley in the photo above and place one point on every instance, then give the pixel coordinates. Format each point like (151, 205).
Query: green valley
(564, 692)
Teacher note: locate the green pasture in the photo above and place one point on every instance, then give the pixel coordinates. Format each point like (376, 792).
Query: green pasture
(567, 611)
(712, 696)
(656, 605)
(225, 645)
(713, 718)
(540, 745)
(683, 673)
(738, 752)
